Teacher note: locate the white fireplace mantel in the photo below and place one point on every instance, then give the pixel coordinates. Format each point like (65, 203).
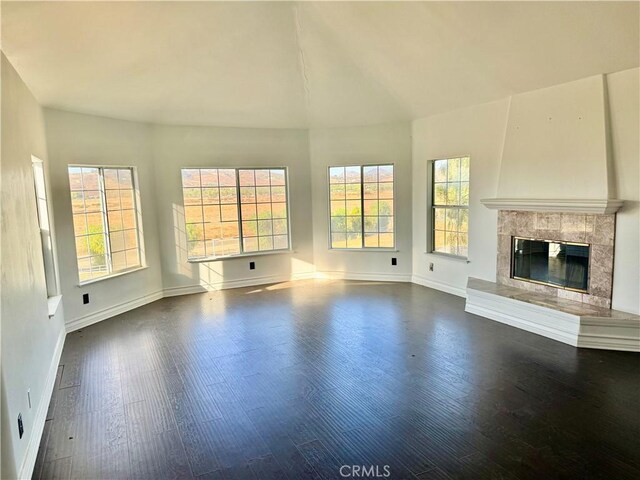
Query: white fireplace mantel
(591, 206)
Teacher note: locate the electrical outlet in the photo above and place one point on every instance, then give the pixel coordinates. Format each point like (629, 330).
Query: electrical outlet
(252, 265)
(431, 267)
(20, 425)
(85, 298)
(394, 261)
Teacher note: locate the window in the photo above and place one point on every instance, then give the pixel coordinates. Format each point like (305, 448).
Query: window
(42, 206)
(450, 206)
(231, 211)
(361, 206)
(106, 217)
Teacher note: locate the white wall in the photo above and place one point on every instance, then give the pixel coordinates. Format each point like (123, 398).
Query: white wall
(85, 139)
(178, 147)
(478, 132)
(624, 99)
(358, 146)
(554, 135)
(31, 341)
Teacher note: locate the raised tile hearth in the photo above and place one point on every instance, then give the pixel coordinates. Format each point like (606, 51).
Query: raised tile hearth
(574, 323)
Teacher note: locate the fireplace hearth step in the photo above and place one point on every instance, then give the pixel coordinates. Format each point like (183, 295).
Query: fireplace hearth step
(574, 323)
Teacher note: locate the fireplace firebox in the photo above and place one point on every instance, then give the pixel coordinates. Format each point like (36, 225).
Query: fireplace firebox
(558, 264)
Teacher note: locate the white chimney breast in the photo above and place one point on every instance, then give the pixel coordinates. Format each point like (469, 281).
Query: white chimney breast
(556, 144)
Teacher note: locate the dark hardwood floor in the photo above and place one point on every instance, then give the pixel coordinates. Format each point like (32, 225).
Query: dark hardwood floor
(294, 381)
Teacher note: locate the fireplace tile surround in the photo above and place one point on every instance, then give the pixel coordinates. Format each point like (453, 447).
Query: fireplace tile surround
(596, 230)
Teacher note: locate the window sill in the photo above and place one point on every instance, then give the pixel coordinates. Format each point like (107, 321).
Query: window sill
(366, 250)
(241, 255)
(114, 275)
(53, 303)
(449, 256)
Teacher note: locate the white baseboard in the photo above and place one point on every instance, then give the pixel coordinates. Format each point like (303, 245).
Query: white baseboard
(369, 277)
(29, 462)
(249, 282)
(443, 287)
(109, 312)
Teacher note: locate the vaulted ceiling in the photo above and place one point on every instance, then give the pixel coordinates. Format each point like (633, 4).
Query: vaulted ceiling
(302, 64)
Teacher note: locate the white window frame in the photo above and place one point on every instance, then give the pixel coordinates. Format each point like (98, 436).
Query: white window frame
(138, 218)
(362, 215)
(46, 233)
(431, 229)
(242, 253)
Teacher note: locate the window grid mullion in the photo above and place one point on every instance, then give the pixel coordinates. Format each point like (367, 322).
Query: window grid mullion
(239, 206)
(107, 243)
(361, 206)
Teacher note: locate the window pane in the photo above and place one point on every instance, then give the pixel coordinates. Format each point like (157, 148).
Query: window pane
(195, 231)
(278, 177)
(354, 224)
(228, 195)
(227, 178)
(77, 202)
(249, 211)
(82, 247)
(452, 220)
(464, 169)
(250, 229)
(279, 210)
(111, 179)
(119, 260)
(90, 179)
(371, 207)
(463, 225)
(265, 227)
(338, 240)
(263, 194)
(354, 240)
(229, 213)
(371, 224)
(247, 178)
(80, 224)
(338, 208)
(116, 239)
(190, 178)
(370, 174)
(439, 218)
(278, 194)
(453, 170)
(386, 240)
(265, 243)
(371, 240)
(125, 178)
(385, 190)
(95, 223)
(280, 227)
(352, 175)
(133, 258)
(385, 207)
(250, 244)
(438, 241)
(264, 210)
(211, 214)
(93, 201)
(113, 199)
(336, 175)
(210, 196)
(337, 192)
(451, 242)
(464, 193)
(247, 194)
(75, 178)
(440, 171)
(353, 207)
(263, 177)
(385, 173)
(453, 194)
(353, 191)
(385, 224)
(371, 190)
(209, 177)
(280, 242)
(131, 239)
(96, 244)
(440, 194)
(339, 224)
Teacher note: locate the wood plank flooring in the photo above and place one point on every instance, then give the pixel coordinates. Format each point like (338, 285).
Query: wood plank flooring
(295, 380)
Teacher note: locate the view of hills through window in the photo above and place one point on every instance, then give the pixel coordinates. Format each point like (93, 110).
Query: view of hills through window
(361, 206)
(234, 211)
(105, 220)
